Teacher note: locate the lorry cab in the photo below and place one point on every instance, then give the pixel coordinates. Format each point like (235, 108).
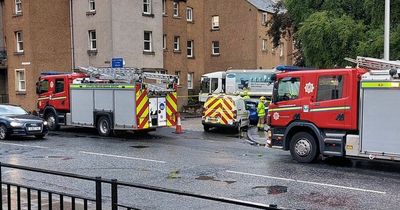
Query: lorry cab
(225, 111)
(321, 103)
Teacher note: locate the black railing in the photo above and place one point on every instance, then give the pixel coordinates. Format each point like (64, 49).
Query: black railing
(3, 98)
(97, 203)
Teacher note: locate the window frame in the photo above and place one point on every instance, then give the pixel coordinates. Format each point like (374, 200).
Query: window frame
(339, 87)
(189, 14)
(177, 40)
(178, 73)
(19, 41)
(264, 18)
(18, 7)
(213, 48)
(150, 41)
(190, 80)
(264, 45)
(175, 6)
(92, 40)
(18, 81)
(149, 7)
(191, 48)
(282, 53)
(164, 7)
(92, 5)
(215, 22)
(165, 41)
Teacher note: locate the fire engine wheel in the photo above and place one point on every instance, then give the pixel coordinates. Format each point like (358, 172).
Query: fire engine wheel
(3, 132)
(104, 126)
(303, 147)
(52, 121)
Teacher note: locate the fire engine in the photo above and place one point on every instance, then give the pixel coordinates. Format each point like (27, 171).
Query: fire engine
(108, 99)
(349, 112)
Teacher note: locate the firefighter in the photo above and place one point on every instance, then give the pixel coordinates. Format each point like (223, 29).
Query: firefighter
(261, 113)
(245, 94)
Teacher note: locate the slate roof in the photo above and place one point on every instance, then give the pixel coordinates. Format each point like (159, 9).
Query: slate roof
(264, 5)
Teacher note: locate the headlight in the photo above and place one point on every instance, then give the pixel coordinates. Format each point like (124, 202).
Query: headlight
(44, 122)
(16, 124)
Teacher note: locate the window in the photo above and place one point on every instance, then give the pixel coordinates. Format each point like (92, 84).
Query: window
(190, 49)
(20, 82)
(214, 84)
(92, 40)
(189, 14)
(19, 41)
(330, 88)
(59, 86)
(43, 87)
(288, 89)
(264, 18)
(18, 7)
(190, 80)
(92, 5)
(178, 73)
(164, 9)
(176, 9)
(264, 45)
(147, 42)
(177, 40)
(282, 46)
(165, 41)
(215, 22)
(147, 7)
(215, 48)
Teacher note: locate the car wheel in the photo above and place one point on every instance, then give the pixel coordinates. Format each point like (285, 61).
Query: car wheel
(104, 126)
(3, 132)
(40, 136)
(303, 147)
(52, 121)
(206, 128)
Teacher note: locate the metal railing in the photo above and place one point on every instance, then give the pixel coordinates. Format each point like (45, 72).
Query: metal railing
(3, 98)
(98, 200)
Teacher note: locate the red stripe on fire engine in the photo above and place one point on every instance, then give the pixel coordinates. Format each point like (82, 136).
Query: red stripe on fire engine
(144, 108)
(143, 123)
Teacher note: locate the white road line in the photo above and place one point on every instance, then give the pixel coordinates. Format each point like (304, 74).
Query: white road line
(307, 182)
(24, 145)
(119, 156)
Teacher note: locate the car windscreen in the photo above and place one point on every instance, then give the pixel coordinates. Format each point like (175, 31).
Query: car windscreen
(11, 110)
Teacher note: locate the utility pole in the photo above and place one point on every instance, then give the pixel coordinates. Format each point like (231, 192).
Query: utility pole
(387, 30)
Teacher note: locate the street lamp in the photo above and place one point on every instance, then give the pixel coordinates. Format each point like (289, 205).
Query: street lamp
(387, 30)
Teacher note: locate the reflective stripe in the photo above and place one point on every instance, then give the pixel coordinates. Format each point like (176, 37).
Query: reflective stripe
(380, 84)
(105, 86)
(59, 98)
(221, 108)
(41, 99)
(142, 108)
(286, 109)
(172, 108)
(330, 109)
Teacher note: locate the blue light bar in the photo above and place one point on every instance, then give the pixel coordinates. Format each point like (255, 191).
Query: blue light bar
(292, 68)
(54, 73)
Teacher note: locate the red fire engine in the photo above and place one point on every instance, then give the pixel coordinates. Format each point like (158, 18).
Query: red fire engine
(337, 112)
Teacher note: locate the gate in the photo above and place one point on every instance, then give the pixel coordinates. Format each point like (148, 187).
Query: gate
(96, 201)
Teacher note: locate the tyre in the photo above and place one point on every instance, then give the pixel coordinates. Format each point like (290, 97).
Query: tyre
(52, 121)
(40, 136)
(206, 128)
(3, 132)
(303, 147)
(104, 126)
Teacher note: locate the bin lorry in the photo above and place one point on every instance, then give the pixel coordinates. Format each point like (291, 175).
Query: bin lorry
(349, 112)
(109, 99)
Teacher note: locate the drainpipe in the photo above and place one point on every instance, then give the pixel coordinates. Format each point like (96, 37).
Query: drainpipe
(71, 25)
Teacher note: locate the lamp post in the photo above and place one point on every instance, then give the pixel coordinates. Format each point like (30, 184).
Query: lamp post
(387, 30)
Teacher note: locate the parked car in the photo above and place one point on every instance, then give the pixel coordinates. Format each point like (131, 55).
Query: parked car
(15, 121)
(251, 107)
(225, 111)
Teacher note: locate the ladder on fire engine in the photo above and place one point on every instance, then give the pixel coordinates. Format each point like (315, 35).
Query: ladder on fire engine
(129, 75)
(374, 63)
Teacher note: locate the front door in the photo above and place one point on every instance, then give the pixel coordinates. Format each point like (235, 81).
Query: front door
(162, 114)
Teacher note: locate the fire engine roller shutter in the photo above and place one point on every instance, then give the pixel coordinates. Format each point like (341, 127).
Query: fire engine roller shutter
(220, 107)
(380, 129)
(142, 108)
(172, 108)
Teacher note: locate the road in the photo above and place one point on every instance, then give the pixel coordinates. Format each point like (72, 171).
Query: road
(216, 163)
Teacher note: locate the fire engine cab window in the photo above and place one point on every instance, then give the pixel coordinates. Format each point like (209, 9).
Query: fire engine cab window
(44, 86)
(330, 88)
(288, 89)
(59, 86)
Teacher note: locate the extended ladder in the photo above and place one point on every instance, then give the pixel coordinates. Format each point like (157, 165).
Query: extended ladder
(374, 63)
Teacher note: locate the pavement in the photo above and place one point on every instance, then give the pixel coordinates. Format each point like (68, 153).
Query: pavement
(217, 163)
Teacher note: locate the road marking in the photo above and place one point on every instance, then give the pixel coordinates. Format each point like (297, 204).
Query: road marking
(307, 182)
(119, 156)
(24, 145)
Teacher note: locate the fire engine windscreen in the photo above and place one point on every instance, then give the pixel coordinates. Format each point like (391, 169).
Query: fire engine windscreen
(288, 89)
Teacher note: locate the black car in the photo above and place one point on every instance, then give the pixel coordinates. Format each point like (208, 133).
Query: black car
(15, 121)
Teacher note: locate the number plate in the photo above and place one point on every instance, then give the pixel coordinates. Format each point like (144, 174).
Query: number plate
(213, 120)
(34, 128)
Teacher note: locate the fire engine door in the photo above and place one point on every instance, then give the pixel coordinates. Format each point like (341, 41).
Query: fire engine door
(162, 114)
(153, 112)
